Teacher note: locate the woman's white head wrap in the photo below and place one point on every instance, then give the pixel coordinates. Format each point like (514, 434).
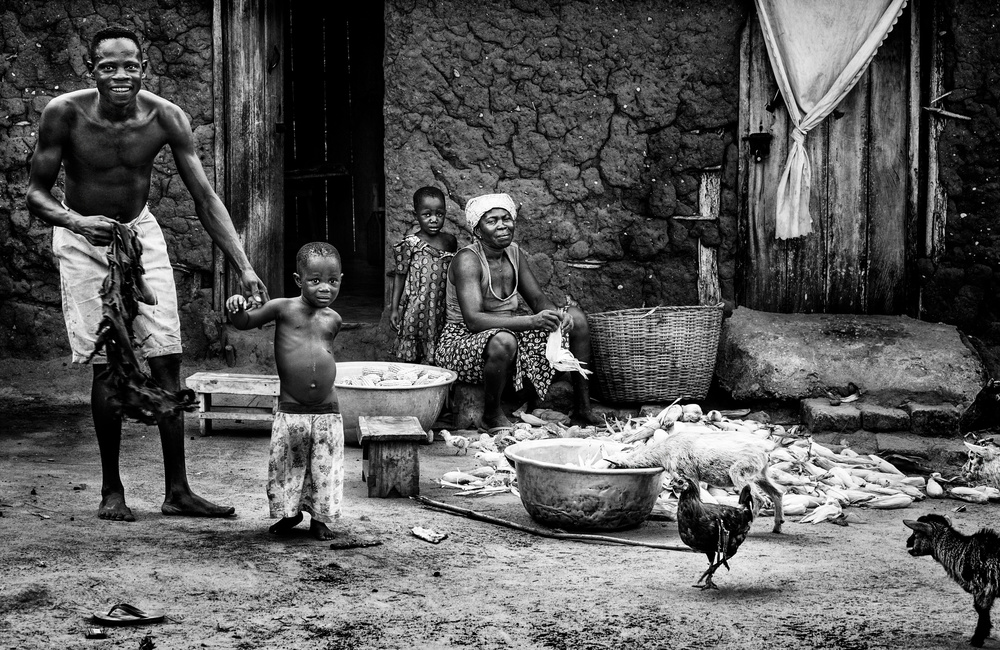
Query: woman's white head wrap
(480, 205)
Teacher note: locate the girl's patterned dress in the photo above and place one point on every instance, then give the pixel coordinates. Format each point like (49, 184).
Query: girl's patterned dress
(421, 307)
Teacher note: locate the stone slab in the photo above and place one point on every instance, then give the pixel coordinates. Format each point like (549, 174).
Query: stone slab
(893, 359)
(933, 419)
(883, 418)
(938, 451)
(819, 415)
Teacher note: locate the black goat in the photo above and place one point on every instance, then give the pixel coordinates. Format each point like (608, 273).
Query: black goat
(973, 561)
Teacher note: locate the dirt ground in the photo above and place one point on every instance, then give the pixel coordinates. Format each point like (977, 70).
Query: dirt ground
(228, 584)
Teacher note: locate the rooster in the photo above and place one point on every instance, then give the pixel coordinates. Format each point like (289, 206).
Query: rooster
(714, 529)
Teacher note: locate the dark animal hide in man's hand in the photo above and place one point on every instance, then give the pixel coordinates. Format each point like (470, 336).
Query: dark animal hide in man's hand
(135, 394)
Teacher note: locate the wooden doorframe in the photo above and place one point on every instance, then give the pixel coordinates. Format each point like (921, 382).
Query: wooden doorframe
(926, 208)
(249, 170)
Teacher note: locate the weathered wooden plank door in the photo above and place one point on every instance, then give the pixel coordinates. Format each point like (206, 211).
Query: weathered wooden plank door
(863, 203)
(253, 165)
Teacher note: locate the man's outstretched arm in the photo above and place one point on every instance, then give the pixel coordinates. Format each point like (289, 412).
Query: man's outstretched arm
(210, 209)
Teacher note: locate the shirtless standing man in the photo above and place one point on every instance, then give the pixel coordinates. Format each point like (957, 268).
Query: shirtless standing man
(106, 138)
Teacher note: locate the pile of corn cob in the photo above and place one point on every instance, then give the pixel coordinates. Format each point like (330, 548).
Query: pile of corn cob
(818, 482)
(392, 376)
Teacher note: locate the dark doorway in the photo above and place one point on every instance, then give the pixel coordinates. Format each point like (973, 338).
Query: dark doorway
(334, 180)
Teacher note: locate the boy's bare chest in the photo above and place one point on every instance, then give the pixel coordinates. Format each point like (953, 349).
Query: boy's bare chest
(103, 146)
(302, 329)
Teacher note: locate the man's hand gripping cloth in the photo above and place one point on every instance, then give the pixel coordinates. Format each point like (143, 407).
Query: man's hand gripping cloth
(136, 395)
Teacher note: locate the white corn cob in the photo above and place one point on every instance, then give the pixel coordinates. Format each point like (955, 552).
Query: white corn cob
(793, 509)
(820, 450)
(911, 491)
(805, 500)
(859, 496)
(885, 465)
(972, 495)
(890, 502)
(837, 494)
(394, 383)
(878, 490)
(787, 478)
(915, 481)
(933, 488)
(992, 493)
(845, 477)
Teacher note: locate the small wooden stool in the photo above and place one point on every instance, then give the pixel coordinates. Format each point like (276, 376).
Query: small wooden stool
(391, 446)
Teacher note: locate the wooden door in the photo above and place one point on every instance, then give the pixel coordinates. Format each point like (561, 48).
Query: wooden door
(334, 149)
(253, 187)
(863, 201)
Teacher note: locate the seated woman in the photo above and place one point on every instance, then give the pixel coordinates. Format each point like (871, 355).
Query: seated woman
(486, 338)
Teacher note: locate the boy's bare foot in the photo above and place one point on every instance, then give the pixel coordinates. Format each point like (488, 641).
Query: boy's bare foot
(320, 531)
(285, 525)
(192, 505)
(113, 508)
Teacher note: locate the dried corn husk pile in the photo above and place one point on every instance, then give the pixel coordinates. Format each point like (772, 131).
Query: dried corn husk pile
(392, 376)
(819, 483)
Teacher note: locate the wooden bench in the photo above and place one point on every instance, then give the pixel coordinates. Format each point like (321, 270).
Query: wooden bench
(391, 460)
(207, 384)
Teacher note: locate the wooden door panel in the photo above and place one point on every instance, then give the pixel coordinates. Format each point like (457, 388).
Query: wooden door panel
(844, 195)
(854, 259)
(252, 46)
(889, 183)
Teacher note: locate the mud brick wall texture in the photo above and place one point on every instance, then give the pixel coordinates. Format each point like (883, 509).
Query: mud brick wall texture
(42, 54)
(596, 116)
(963, 288)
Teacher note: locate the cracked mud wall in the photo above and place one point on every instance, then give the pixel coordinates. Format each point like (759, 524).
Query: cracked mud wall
(963, 287)
(42, 54)
(597, 116)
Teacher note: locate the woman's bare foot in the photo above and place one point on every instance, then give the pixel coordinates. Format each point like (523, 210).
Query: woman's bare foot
(320, 530)
(494, 421)
(587, 417)
(192, 505)
(285, 525)
(113, 508)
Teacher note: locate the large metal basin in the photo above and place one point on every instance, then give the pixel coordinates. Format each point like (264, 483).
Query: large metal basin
(558, 489)
(423, 402)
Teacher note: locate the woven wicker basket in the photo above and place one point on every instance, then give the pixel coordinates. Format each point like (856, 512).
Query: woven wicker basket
(658, 354)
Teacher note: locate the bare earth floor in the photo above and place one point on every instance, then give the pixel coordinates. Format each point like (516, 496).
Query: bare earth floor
(229, 584)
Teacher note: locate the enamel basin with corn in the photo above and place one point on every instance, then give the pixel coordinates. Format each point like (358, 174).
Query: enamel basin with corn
(565, 483)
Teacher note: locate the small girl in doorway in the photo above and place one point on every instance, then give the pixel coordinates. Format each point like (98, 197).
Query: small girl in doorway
(419, 277)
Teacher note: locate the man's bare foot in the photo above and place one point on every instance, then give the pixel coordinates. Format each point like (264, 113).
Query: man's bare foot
(286, 524)
(320, 530)
(113, 508)
(192, 505)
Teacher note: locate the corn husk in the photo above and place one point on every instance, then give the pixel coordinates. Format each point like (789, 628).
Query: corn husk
(890, 502)
(972, 495)
(561, 358)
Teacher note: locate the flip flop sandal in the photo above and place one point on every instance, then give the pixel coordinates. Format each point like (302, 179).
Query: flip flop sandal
(125, 614)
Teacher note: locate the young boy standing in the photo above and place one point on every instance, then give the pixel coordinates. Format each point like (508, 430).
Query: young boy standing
(306, 463)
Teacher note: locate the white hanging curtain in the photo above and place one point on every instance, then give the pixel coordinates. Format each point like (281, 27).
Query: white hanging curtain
(818, 50)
